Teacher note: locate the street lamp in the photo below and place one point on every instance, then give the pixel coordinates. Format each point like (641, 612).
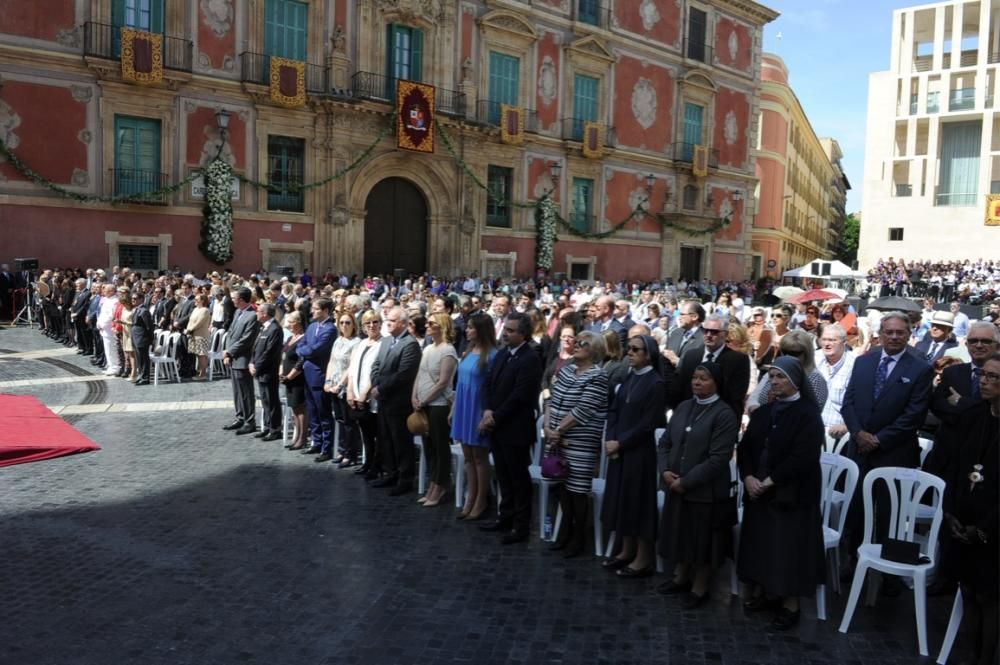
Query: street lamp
(650, 181)
(555, 168)
(222, 122)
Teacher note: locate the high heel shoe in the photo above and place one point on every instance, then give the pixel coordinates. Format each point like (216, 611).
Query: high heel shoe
(297, 446)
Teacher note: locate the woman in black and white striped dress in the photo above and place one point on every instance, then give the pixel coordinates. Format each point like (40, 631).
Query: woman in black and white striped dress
(574, 421)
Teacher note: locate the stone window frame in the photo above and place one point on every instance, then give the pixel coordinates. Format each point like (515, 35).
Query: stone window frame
(697, 88)
(589, 261)
(114, 238)
(255, 37)
(265, 128)
(590, 57)
(485, 256)
(266, 246)
(161, 109)
(506, 32)
(372, 55)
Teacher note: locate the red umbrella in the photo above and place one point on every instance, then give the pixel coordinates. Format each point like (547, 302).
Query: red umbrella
(811, 295)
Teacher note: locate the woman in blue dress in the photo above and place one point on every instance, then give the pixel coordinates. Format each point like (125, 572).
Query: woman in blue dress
(467, 411)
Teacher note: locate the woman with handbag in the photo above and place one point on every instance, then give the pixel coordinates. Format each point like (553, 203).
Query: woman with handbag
(467, 412)
(359, 386)
(629, 507)
(574, 425)
(336, 385)
(432, 393)
(781, 552)
(698, 516)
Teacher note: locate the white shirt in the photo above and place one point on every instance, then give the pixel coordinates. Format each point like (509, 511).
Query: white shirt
(893, 361)
(837, 376)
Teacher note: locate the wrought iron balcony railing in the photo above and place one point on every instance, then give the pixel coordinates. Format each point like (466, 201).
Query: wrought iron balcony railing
(103, 40)
(572, 130)
(684, 153)
(488, 113)
(132, 182)
(256, 68)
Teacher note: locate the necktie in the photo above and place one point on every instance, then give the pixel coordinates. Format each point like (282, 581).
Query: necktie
(976, 373)
(934, 348)
(686, 338)
(881, 375)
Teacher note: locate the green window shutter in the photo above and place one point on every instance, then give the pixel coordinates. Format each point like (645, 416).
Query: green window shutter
(156, 20)
(498, 181)
(693, 114)
(583, 204)
(416, 54)
(286, 29)
(584, 103)
(504, 87)
(137, 155)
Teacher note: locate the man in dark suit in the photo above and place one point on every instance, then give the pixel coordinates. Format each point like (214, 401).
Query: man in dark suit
(8, 282)
(93, 310)
(164, 309)
(605, 309)
(78, 315)
(265, 366)
(393, 374)
(685, 337)
(938, 339)
(886, 401)
(314, 355)
(142, 338)
(510, 394)
(239, 347)
(181, 316)
(735, 367)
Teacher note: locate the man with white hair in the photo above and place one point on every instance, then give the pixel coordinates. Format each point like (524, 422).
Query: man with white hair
(105, 325)
(835, 364)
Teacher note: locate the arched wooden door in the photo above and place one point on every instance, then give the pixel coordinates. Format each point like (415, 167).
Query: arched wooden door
(395, 228)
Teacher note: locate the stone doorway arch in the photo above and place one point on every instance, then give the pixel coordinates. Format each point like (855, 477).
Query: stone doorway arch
(396, 228)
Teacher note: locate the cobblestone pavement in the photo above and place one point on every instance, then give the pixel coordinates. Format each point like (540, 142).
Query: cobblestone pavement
(179, 543)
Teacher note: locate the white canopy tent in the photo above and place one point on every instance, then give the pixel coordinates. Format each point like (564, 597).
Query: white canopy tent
(821, 269)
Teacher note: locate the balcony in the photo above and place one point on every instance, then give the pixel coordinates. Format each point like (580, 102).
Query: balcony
(380, 88)
(102, 40)
(956, 198)
(488, 113)
(963, 99)
(904, 190)
(133, 182)
(684, 153)
(698, 51)
(933, 102)
(572, 130)
(256, 68)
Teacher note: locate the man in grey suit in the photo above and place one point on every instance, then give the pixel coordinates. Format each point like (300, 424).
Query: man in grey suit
(265, 366)
(393, 374)
(605, 306)
(239, 349)
(685, 337)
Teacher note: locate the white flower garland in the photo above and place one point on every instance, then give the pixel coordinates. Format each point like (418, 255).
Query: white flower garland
(545, 242)
(217, 230)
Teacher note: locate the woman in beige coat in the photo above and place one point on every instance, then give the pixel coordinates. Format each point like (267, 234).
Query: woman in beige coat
(198, 331)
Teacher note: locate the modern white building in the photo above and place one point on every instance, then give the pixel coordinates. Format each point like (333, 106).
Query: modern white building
(932, 153)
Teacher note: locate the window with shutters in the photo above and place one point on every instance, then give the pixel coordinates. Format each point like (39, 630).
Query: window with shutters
(285, 29)
(583, 204)
(697, 34)
(588, 11)
(137, 155)
(285, 166)
(404, 58)
(505, 76)
(585, 103)
(144, 15)
(498, 182)
(693, 132)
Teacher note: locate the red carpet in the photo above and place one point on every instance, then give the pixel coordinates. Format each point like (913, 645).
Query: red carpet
(29, 432)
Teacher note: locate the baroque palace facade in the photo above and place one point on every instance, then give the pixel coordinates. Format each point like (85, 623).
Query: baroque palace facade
(672, 87)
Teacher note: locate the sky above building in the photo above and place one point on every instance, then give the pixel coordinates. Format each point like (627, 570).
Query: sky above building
(830, 47)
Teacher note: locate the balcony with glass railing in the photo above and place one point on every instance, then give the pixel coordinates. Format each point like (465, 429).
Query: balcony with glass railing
(962, 99)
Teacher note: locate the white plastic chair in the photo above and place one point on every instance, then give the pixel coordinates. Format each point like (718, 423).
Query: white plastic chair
(905, 487)
(597, 487)
(545, 485)
(168, 360)
(835, 446)
(458, 462)
(926, 446)
(736, 485)
(834, 467)
(957, 610)
(418, 441)
(215, 354)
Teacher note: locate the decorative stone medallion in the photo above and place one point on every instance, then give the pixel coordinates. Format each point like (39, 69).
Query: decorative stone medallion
(547, 81)
(733, 44)
(730, 130)
(644, 102)
(218, 15)
(650, 14)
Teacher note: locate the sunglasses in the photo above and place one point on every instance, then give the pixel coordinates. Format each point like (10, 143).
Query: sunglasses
(373, 323)
(979, 341)
(709, 331)
(347, 322)
(635, 349)
(583, 343)
(777, 316)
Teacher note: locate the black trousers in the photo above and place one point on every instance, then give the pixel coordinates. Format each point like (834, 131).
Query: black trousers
(350, 436)
(271, 403)
(83, 338)
(396, 445)
(511, 464)
(95, 338)
(141, 362)
(243, 398)
(367, 426)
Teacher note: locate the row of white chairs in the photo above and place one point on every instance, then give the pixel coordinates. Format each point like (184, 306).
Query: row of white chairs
(164, 355)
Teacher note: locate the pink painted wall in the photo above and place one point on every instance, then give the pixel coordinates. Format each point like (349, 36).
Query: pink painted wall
(630, 132)
(613, 261)
(49, 132)
(727, 266)
(39, 19)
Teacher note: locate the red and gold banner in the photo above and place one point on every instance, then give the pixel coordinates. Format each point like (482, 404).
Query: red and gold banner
(288, 82)
(699, 161)
(142, 56)
(993, 210)
(511, 124)
(593, 140)
(415, 116)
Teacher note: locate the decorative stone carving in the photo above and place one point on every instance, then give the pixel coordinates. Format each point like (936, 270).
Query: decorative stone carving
(228, 63)
(85, 136)
(733, 44)
(69, 38)
(644, 102)
(338, 39)
(467, 225)
(637, 196)
(432, 10)
(82, 93)
(218, 15)
(726, 209)
(190, 106)
(9, 120)
(204, 62)
(339, 214)
(548, 82)
(80, 178)
(730, 131)
(467, 70)
(210, 148)
(650, 14)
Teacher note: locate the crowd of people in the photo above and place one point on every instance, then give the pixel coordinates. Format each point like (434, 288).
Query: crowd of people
(966, 281)
(606, 368)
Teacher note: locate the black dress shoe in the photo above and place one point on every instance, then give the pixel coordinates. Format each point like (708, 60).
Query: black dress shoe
(615, 563)
(362, 470)
(347, 463)
(261, 434)
(324, 457)
(495, 526)
(692, 601)
(312, 450)
(785, 619)
(247, 429)
(401, 489)
(671, 587)
(628, 572)
(142, 382)
(514, 536)
(271, 436)
(236, 424)
(761, 604)
(372, 475)
(388, 481)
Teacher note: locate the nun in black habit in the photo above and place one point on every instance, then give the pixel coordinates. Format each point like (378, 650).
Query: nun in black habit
(629, 508)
